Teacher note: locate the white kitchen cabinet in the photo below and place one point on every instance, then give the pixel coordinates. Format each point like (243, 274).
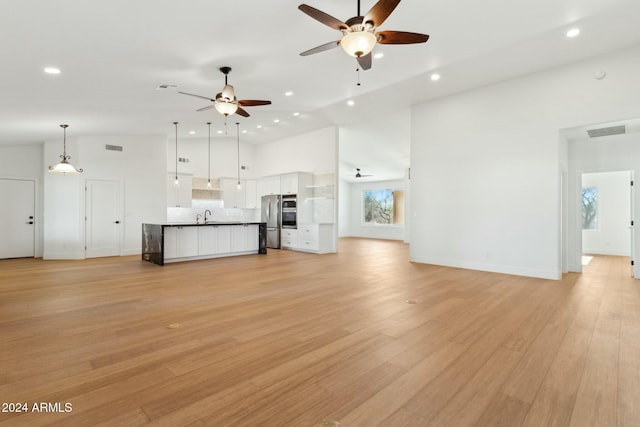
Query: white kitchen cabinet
(180, 242)
(244, 237)
(289, 238)
(243, 197)
(214, 240)
(269, 185)
(179, 196)
(289, 183)
(318, 238)
(232, 196)
(207, 240)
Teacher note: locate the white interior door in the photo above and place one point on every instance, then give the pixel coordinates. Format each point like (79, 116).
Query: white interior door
(103, 231)
(17, 218)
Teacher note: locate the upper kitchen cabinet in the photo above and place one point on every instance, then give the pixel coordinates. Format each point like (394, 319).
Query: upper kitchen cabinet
(243, 197)
(269, 185)
(179, 196)
(289, 183)
(295, 183)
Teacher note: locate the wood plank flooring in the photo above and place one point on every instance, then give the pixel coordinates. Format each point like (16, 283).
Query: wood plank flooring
(362, 337)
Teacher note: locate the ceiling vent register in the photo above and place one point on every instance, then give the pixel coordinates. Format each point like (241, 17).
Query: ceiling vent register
(613, 130)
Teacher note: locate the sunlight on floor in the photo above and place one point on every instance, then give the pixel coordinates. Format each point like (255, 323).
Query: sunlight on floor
(586, 259)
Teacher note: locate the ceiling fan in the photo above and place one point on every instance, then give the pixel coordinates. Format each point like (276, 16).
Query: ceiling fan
(226, 102)
(360, 175)
(359, 34)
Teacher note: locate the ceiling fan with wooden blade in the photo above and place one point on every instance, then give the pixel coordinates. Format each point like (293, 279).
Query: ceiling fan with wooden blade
(359, 35)
(226, 102)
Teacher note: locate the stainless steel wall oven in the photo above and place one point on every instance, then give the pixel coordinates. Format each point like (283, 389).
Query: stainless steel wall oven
(289, 211)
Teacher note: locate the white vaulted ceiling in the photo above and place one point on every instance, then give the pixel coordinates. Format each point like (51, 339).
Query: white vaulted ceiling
(113, 54)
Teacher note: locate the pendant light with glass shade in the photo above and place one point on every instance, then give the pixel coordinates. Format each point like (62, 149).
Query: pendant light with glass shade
(238, 138)
(209, 159)
(176, 183)
(64, 166)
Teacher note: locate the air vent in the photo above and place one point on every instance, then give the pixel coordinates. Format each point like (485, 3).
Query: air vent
(166, 86)
(113, 147)
(613, 130)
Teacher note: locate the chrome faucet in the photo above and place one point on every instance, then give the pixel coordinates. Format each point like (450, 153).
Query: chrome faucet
(205, 215)
(198, 216)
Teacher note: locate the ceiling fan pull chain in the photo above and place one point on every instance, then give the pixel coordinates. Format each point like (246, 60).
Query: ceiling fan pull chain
(358, 72)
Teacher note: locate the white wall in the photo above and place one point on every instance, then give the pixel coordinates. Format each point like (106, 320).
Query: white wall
(224, 157)
(356, 227)
(140, 167)
(314, 152)
(605, 154)
(25, 161)
(486, 164)
(611, 237)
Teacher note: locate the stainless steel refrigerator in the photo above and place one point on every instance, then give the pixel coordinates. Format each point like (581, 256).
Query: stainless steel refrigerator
(271, 215)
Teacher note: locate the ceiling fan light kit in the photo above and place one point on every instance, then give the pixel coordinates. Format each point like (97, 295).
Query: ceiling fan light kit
(358, 43)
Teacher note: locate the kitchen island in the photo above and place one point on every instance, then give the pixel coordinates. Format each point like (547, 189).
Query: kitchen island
(165, 243)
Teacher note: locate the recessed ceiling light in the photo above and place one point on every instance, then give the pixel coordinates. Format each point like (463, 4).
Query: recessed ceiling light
(276, 121)
(573, 32)
(219, 132)
(245, 131)
(289, 93)
(259, 126)
(435, 77)
(52, 70)
(351, 103)
(378, 55)
(296, 114)
(192, 132)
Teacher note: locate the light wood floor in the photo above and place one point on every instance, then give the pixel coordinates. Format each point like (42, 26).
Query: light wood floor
(291, 339)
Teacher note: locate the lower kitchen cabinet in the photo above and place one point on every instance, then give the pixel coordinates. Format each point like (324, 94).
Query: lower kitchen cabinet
(244, 238)
(289, 238)
(180, 242)
(317, 238)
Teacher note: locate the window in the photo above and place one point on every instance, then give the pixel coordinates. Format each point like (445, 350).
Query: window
(589, 208)
(383, 206)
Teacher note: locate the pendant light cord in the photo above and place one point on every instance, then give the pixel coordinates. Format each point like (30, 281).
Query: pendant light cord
(209, 158)
(238, 138)
(176, 125)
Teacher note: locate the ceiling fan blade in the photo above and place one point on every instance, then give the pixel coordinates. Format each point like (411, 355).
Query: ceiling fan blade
(380, 12)
(252, 102)
(365, 61)
(400, 37)
(242, 112)
(208, 107)
(324, 18)
(198, 96)
(321, 48)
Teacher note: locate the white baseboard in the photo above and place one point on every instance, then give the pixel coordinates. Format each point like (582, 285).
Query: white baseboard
(493, 268)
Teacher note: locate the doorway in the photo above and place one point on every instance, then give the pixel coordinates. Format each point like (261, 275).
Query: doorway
(103, 220)
(606, 202)
(17, 218)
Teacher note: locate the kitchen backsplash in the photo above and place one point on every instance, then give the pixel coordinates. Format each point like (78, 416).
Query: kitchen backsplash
(218, 212)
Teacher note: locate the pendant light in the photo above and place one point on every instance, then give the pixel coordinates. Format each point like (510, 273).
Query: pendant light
(64, 166)
(209, 158)
(176, 183)
(238, 132)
